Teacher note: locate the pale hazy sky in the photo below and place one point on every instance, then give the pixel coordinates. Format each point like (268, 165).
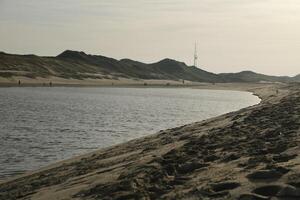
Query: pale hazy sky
(232, 35)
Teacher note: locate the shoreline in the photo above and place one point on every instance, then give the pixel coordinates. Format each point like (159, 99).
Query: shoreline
(129, 83)
(61, 82)
(171, 163)
(122, 82)
(215, 88)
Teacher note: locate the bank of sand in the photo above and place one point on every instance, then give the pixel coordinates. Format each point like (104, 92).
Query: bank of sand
(249, 154)
(123, 82)
(57, 81)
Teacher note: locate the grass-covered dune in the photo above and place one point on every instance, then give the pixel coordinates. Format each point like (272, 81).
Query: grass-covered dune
(79, 65)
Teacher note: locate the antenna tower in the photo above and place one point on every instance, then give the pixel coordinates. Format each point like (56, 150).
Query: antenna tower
(195, 56)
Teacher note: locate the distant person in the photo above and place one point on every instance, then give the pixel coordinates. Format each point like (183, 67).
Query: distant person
(182, 81)
(50, 84)
(19, 82)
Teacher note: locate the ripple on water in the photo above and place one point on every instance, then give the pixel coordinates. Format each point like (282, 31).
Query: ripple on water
(42, 125)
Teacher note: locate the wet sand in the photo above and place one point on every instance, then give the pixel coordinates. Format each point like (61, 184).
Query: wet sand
(249, 154)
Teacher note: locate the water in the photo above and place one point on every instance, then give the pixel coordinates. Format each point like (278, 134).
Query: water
(41, 125)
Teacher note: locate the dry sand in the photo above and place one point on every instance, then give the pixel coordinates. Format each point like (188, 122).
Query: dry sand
(56, 81)
(249, 154)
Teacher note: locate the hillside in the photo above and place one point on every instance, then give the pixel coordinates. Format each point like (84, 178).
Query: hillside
(249, 76)
(171, 69)
(296, 78)
(79, 65)
(73, 64)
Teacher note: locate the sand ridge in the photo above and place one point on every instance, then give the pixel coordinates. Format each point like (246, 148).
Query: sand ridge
(248, 154)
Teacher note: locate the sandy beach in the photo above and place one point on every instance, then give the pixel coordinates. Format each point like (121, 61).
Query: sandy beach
(248, 154)
(149, 100)
(126, 82)
(119, 82)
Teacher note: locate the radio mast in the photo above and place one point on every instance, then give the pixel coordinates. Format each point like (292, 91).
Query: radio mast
(195, 56)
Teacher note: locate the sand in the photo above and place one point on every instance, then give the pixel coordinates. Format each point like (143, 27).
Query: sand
(249, 154)
(123, 82)
(57, 81)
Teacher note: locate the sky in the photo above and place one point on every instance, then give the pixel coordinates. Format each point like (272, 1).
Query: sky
(231, 35)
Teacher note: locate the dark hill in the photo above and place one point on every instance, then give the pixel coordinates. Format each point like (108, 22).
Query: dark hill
(249, 76)
(79, 65)
(179, 70)
(296, 78)
(68, 54)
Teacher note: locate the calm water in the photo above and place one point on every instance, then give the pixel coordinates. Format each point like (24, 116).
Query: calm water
(42, 125)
